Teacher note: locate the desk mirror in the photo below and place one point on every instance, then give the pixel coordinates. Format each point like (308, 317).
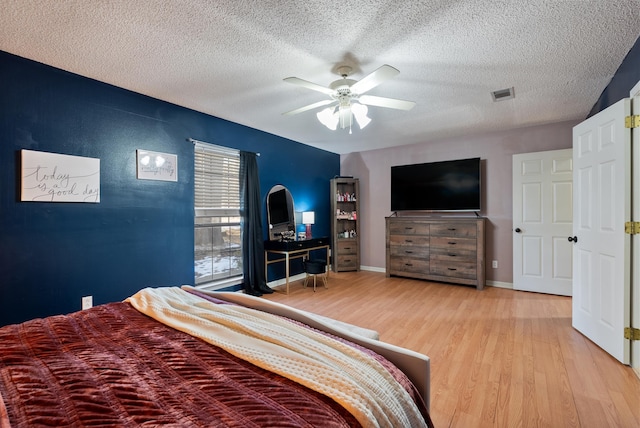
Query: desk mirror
(281, 217)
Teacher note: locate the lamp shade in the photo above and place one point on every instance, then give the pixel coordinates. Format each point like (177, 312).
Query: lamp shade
(360, 112)
(308, 217)
(328, 118)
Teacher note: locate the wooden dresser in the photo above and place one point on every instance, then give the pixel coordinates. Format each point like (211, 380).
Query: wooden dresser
(438, 249)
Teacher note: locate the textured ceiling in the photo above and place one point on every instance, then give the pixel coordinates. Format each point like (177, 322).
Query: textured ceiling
(227, 58)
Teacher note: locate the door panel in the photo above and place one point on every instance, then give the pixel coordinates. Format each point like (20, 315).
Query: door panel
(562, 268)
(532, 256)
(602, 194)
(584, 279)
(562, 192)
(531, 203)
(543, 215)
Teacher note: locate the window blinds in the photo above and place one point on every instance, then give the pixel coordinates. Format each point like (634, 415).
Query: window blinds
(216, 180)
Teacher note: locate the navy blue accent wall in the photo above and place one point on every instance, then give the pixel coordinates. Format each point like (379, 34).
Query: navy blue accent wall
(141, 232)
(627, 75)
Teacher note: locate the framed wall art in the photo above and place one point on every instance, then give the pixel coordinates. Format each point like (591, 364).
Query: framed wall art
(54, 177)
(156, 166)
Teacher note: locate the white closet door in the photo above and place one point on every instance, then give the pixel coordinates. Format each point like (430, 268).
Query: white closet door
(542, 221)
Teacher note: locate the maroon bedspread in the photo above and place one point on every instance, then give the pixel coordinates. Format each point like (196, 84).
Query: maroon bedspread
(112, 366)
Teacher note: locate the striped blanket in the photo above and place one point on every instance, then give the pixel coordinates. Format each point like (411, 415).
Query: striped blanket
(352, 378)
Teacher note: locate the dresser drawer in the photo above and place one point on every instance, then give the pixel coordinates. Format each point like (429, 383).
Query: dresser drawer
(409, 241)
(347, 262)
(400, 265)
(463, 247)
(408, 228)
(409, 251)
(454, 269)
(453, 229)
(348, 246)
(451, 258)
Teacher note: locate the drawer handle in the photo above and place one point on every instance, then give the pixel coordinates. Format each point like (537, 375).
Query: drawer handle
(408, 252)
(451, 243)
(451, 228)
(452, 268)
(408, 240)
(408, 228)
(452, 255)
(347, 248)
(408, 264)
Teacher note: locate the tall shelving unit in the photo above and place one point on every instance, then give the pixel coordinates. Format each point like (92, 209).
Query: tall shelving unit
(345, 224)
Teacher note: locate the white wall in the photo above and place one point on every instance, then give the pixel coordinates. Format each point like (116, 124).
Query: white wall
(373, 168)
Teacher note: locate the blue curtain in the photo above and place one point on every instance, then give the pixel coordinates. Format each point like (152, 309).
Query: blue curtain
(252, 237)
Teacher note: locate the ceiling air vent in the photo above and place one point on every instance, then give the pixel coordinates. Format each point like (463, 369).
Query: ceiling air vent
(503, 94)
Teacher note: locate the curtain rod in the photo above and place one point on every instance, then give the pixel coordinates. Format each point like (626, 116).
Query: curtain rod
(191, 140)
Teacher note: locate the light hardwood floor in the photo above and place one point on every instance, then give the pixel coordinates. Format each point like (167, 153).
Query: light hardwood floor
(499, 358)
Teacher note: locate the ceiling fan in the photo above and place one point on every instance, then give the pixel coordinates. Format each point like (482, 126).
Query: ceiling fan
(347, 98)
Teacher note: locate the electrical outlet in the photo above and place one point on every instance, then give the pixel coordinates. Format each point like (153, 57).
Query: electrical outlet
(494, 264)
(87, 302)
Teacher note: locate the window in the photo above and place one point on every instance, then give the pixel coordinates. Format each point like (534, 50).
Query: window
(218, 243)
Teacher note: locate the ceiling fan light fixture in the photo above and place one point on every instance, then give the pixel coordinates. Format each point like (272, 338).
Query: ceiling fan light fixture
(343, 95)
(328, 118)
(360, 112)
(346, 118)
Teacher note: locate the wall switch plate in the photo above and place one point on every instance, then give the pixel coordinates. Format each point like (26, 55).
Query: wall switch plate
(87, 302)
(494, 264)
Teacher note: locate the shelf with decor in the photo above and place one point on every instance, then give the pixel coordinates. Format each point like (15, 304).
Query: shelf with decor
(345, 224)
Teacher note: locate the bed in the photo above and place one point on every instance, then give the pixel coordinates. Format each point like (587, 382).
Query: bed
(177, 356)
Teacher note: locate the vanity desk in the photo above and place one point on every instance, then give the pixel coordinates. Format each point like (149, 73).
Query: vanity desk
(285, 251)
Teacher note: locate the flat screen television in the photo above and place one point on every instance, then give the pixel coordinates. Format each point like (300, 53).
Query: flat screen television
(436, 186)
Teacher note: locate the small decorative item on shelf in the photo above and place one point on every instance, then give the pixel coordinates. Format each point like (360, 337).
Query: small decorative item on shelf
(347, 234)
(345, 197)
(343, 215)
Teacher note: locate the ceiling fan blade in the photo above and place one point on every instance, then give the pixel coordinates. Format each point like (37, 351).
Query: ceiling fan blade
(309, 85)
(309, 107)
(373, 79)
(371, 100)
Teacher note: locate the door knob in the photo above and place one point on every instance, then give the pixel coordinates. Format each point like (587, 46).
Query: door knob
(518, 230)
(573, 239)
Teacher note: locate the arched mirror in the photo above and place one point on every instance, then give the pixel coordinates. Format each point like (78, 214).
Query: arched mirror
(280, 214)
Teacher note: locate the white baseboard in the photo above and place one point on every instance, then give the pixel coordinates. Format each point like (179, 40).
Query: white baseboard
(373, 269)
(499, 284)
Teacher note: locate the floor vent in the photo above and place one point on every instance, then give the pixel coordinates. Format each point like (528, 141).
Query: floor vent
(503, 94)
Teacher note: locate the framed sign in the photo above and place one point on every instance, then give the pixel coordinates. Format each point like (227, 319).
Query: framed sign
(53, 177)
(156, 166)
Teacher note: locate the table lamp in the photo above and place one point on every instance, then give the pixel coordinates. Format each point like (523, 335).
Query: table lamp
(308, 218)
